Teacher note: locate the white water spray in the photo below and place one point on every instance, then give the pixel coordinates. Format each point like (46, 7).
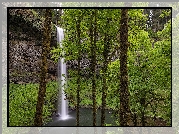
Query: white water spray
(62, 104)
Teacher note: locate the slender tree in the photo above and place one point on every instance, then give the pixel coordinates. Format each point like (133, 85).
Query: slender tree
(93, 39)
(104, 70)
(124, 91)
(44, 66)
(79, 70)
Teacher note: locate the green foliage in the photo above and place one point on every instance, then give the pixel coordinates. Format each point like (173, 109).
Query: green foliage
(34, 13)
(150, 74)
(56, 53)
(20, 108)
(165, 34)
(165, 13)
(85, 88)
(149, 63)
(23, 100)
(70, 46)
(5, 129)
(86, 93)
(113, 83)
(136, 20)
(108, 124)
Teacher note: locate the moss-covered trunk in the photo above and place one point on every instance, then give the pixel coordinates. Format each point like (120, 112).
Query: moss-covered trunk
(104, 71)
(124, 91)
(79, 70)
(44, 66)
(93, 61)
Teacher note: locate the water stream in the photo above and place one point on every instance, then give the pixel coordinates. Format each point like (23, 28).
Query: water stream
(62, 102)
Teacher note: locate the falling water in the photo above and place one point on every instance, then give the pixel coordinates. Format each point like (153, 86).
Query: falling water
(62, 104)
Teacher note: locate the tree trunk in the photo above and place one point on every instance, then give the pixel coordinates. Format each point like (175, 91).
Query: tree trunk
(44, 66)
(93, 63)
(125, 114)
(94, 69)
(78, 79)
(104, 70)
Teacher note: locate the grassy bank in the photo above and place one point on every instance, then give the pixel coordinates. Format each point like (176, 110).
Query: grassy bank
(23, 100)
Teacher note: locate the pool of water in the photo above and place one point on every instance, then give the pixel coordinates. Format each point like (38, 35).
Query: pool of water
(86, 118)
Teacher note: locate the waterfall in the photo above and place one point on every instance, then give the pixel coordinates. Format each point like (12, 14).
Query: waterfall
(62, 102)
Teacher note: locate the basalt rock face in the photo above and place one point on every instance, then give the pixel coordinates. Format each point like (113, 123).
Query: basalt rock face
(25, 48)
(25, 61)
